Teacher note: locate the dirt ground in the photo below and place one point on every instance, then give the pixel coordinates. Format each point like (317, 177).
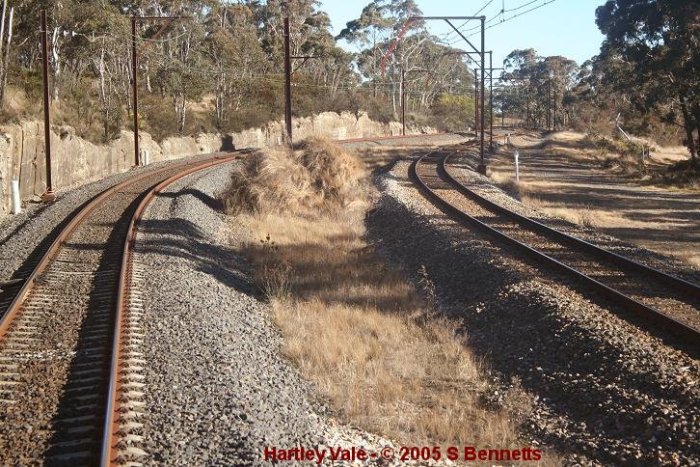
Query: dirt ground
(564, 175)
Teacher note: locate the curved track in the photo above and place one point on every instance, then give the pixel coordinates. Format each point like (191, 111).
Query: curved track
(69, 367)
(657, 299)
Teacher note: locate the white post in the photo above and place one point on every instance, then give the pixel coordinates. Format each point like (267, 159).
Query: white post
(16, 205)
(516, 155)
(146, 157)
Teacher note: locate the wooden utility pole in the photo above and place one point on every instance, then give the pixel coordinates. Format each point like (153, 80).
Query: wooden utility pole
(135, 91)
(134, 71)
(49, 194)
(549, 104)
(403, 101)
(491, 100)
(287, 83)
(482, 163)
(476, 104)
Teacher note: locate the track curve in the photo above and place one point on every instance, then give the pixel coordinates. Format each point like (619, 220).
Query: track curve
(65, 339)
(635, 287)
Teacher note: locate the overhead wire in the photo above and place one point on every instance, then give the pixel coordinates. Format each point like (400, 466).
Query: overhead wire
(448, 38)
(508, 10)
(489, 23)
(547, 2)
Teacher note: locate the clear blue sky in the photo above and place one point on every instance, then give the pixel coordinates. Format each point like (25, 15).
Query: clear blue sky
(563, 27)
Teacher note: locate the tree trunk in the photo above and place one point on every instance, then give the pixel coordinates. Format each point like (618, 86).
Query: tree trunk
(55, 63)
(103, 93)
(689, 125)
(149, 87)
(6, 54)
(183, 111)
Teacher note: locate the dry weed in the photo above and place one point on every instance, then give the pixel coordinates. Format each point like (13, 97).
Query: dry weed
(314, 177)
(372, 343)
(507, 182)
(273, 275)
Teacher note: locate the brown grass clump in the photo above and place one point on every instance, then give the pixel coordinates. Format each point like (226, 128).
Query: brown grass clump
(682, 174)
(375, 346)
(584, 216)
(372, 343)
(506, 181)
(316, 176)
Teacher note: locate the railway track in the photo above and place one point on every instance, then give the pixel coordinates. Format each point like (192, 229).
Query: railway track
(654, 299)
(69, 364)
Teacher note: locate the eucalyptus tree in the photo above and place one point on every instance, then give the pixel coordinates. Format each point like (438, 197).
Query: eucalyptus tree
(652, 50)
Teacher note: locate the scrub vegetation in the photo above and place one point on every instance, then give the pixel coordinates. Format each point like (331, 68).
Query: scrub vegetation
(375, 345)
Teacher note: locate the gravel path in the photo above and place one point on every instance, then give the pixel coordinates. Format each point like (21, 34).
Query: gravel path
(606, 392)
(217, 389)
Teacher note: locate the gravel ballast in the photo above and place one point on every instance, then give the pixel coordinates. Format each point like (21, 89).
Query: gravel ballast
(23, 234)
(217, 391)
(605, 391)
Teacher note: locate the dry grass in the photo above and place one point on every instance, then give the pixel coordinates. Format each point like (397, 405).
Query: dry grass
(371, 342)
(587, 216)
(506, 181)
(691, 258)
(580, 215)
(317, 176)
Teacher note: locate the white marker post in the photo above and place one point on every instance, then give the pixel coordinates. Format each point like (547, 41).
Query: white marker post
(16, 205)
(516, 155)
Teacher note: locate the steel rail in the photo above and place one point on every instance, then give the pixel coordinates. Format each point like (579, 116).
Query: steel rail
(689, 335)
(13, 309)
(601, 253)
(110, 437)
(369, 139)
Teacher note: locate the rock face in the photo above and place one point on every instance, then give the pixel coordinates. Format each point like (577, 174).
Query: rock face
(76, 161)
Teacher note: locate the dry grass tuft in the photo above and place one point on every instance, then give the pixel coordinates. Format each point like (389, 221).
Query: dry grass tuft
(507, 182)
(584, 216)
(316, 176)
(374, 345)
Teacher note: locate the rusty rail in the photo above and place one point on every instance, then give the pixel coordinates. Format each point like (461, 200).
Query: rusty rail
(689, 335)
(111, 425)
(14, 307)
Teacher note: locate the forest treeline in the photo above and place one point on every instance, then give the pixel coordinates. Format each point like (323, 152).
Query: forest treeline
(646, 78)
(219, 67)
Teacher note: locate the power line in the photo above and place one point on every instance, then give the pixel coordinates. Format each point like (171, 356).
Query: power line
(489, 21)
(519, 14)
(449, 34)
(508, 10)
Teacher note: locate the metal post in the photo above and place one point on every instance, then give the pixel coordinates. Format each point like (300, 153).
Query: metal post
(482, 166)
(491, 100)
(549, 105)
(554, 109)
(135, 90)
(287, 83)
(49, 195)
(476, 104)
(403, 102)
